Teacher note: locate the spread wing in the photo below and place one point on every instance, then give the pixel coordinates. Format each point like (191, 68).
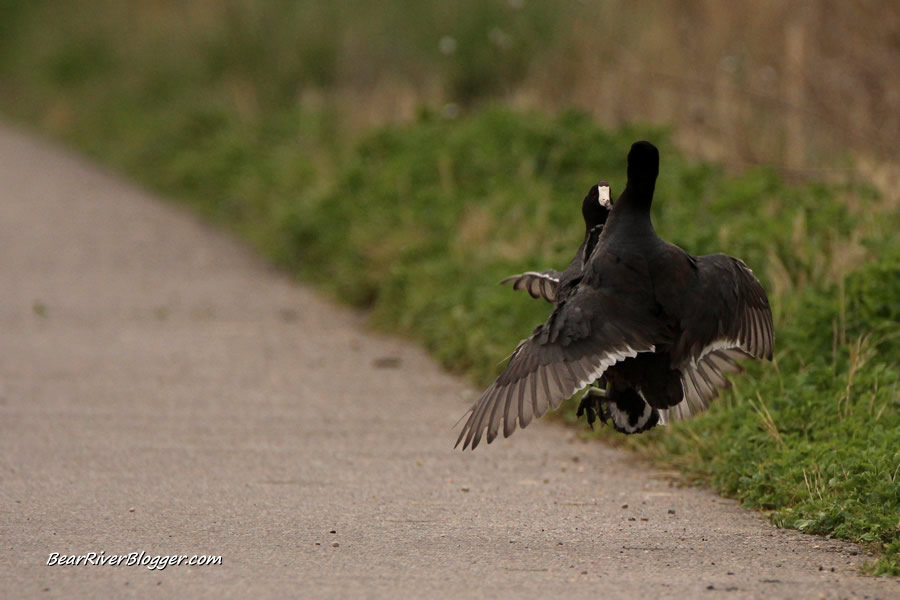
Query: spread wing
(587, 333)
(727, 320)
(546, 284)
(539, 285)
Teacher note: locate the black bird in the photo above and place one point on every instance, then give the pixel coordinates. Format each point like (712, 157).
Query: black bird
(553, 286)
(595, 210)
(659, 325)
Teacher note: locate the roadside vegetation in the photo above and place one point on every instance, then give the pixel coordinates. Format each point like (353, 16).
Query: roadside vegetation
(418, 221)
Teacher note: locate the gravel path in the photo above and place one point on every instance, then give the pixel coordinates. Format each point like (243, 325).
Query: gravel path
(164, 391)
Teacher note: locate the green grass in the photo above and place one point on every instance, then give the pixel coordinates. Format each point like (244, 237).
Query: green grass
(418, 222)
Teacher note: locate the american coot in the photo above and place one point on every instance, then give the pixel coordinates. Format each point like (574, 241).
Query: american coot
(595, 210)
(553, 286)
(662, 327)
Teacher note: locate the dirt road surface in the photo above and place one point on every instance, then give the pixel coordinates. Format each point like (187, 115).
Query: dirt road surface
(164, 391)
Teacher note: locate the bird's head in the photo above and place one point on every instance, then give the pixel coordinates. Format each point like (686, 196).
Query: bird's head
(643, 163)
(596, 205)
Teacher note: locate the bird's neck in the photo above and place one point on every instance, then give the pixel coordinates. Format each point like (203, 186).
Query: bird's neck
(590, 240)
(632, 209)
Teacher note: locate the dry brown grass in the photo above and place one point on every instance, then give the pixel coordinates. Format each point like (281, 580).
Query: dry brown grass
(790, 84)
(811, 87)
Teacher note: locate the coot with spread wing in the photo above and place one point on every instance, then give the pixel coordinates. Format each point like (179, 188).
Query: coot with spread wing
(660, 326)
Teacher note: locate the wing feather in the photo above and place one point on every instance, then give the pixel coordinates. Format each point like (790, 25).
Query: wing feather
(538, 285)
(563, 356)
(731, 321)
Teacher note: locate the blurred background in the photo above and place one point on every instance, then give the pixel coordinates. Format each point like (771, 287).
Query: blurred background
(406, 155)
(804, 86)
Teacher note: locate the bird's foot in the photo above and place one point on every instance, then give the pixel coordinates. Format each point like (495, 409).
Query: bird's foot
(593, 407)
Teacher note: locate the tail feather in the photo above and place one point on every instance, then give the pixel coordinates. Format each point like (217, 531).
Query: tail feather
(629, 412)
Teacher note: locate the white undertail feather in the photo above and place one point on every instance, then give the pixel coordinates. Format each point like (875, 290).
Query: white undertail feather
(621, 420)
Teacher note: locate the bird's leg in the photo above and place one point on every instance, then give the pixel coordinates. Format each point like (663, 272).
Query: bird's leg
(592, 405)
(588, 406)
